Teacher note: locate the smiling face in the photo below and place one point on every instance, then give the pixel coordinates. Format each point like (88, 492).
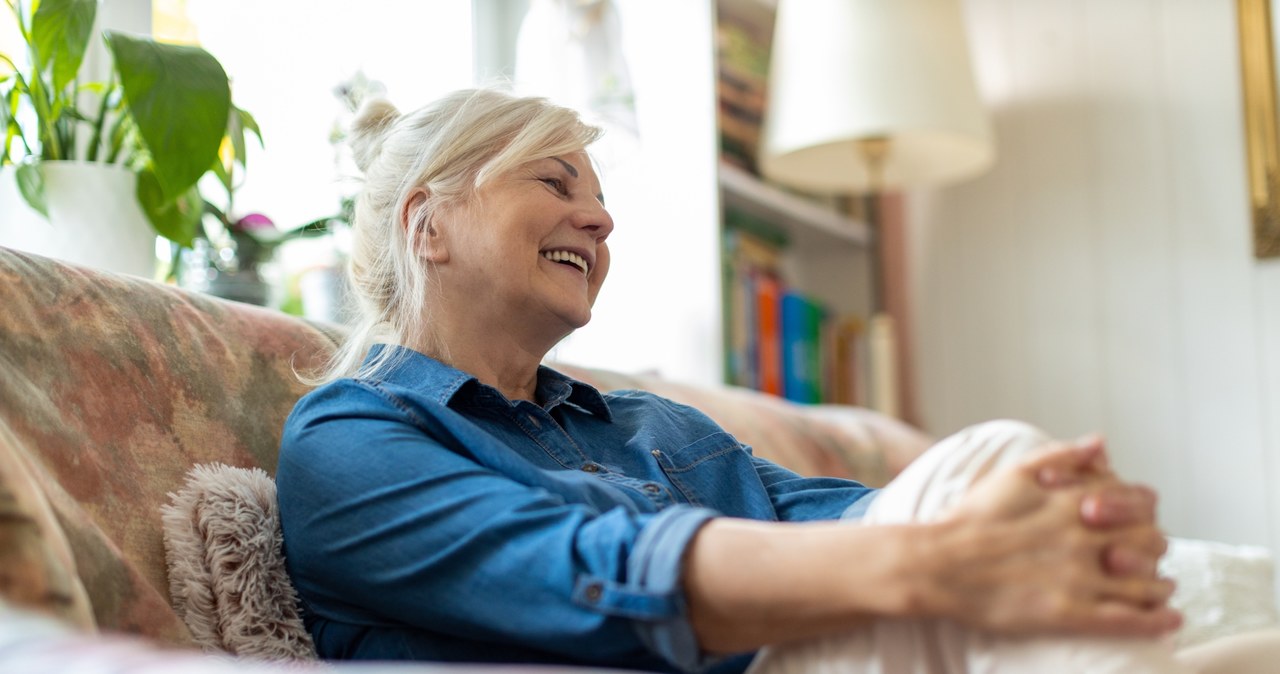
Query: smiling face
(529, 252)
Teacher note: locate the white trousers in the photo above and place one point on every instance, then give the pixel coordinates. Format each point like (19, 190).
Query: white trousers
(930, 485)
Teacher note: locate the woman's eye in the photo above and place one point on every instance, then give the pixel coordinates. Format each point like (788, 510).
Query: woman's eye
(556, 184)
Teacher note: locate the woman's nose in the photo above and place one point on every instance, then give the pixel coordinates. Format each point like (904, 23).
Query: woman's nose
(595, 218)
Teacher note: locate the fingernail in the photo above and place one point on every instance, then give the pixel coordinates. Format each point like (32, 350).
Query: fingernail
(1089, 439)
(1124, 560)
(1091, 509)
(1054, 477)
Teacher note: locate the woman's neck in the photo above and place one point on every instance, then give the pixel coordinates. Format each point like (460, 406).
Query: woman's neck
(496, 360)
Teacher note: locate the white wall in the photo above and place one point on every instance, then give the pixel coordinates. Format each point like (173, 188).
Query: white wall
(1101, 277)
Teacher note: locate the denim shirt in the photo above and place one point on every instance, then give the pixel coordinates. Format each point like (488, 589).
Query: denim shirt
(428, 517)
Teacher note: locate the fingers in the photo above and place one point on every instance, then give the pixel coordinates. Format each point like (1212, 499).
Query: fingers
(1118, 504)
(1111, 607)
(1101, 463)
(1137, 591)
(1121, 560)
(1125, 620)
(1068, 463)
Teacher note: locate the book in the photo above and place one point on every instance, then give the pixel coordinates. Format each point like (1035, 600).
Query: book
(816, 320)
(846, 346)
(768, 305)
(742, 55)
(882, 346)
(802, 320)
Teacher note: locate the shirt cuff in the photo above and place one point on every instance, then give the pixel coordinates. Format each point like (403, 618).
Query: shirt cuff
(656, 567)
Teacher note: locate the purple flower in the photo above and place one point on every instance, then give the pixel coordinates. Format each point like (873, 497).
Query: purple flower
(255, 222)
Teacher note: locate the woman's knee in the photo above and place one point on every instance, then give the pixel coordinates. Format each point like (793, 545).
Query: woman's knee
(1006, 432)
(947, 470)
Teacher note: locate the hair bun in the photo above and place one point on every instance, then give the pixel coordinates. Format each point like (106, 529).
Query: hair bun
(368, 130)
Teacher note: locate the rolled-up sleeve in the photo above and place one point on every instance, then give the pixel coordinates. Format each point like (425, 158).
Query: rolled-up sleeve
(385, 526)
(658, 562)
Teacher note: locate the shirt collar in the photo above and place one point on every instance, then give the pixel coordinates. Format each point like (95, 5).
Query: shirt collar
(555, 387)
(451, 386)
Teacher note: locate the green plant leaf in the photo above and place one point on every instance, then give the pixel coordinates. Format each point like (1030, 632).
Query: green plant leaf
(60, 32)
(177, 220)
(224, 176)
(242, 121)
(250, 124)
(215, 212)
(317, 227)
(8, 112)
(31, 185)
(179, 98)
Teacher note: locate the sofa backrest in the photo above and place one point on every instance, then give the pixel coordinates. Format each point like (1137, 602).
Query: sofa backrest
(112, 387)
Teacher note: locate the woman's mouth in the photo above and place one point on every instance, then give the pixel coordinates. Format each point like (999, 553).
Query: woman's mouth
(567, 258)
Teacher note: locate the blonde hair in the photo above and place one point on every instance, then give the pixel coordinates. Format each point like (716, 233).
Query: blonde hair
(450, 148)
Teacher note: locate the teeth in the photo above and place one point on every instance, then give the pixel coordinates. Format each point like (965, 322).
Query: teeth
(566, 256)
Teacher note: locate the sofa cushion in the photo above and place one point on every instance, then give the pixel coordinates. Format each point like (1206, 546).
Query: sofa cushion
(227, 577)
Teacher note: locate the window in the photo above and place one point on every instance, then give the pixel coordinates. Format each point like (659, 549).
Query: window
(286, 58)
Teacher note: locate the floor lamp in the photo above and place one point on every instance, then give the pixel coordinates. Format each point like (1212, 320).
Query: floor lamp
(869, 96)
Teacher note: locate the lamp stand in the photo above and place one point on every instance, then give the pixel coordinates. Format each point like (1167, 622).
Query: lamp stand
(882, 337)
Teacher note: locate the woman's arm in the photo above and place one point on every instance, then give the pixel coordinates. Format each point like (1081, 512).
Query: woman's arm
(1014, 556)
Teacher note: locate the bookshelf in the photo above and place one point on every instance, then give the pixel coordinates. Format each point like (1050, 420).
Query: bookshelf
(800, 216)
(796, 272)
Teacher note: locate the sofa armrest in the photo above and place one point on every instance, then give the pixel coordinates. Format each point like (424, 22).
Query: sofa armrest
(37, 568)
(1222, 589)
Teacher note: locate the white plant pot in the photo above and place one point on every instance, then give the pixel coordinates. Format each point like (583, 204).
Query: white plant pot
(94, 218)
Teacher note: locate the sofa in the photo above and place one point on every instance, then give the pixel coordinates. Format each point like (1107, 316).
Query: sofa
(113, 388)
(115, 391)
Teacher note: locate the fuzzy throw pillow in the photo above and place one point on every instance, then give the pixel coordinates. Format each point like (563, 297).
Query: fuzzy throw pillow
(227, 578)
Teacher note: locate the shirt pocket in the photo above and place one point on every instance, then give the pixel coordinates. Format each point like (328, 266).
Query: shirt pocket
(716, 472)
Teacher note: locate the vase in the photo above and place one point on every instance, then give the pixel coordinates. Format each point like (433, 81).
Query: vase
(94, 218)
(325, 294)
(218, 271)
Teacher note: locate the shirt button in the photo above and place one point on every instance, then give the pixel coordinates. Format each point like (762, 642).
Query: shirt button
(591, 468)
(534, 420)
(593, 592)
(652, 488)
(657, 454)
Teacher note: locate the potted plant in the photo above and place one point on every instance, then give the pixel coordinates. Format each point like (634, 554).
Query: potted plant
(231, 252)
(159, 119)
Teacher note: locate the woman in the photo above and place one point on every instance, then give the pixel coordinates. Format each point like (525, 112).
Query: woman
(445, 497)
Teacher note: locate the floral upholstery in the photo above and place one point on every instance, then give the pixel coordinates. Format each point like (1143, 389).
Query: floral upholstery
(113, 387)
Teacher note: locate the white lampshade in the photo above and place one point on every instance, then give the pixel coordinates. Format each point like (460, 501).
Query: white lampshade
(844, 71)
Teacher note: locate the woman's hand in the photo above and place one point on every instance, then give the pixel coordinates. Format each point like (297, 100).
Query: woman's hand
(1113, 505)
(1054, 544)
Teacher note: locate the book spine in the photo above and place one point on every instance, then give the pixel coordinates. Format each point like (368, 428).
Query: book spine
(884, 358)
(815, 319)
(751, 330)
(769, 333)
(802, 345)
(795, 347)
(846, 369)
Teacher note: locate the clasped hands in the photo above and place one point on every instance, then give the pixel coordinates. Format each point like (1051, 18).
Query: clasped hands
(1057, 544)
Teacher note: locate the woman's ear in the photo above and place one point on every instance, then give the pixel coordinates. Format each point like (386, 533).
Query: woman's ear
(429, 241)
